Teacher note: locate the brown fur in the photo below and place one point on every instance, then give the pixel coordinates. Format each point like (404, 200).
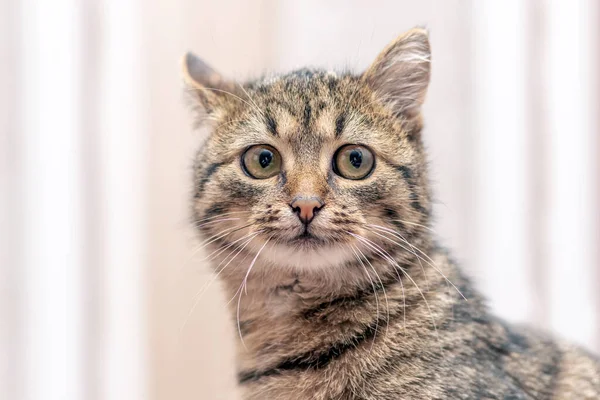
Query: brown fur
(370, 308)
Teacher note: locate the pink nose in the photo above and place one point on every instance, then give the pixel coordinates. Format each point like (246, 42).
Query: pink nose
(306, 208)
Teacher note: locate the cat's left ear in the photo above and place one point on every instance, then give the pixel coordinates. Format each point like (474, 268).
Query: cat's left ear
(205, 84)
(400, 74)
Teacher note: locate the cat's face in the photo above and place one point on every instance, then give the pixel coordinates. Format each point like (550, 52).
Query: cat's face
(313, 167)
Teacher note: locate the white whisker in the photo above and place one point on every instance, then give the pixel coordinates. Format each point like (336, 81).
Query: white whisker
(220, 216)
(410, 250)
(431, 263)
(251, 100)
(244, 285)
(198, 295)
(220, 235)
(359, 237)
(415, 224)
(222, 249)
(380, 282)
(395, 263)
(219, 220)
(387, 305)
(374, 293)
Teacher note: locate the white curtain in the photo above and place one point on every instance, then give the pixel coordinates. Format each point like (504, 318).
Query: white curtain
(73, 244)
(535, 114)
(97, 263)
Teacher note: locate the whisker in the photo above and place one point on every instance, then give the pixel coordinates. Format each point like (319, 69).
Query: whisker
(252, 264)
(226, 92)
(399, 280)
(244, 285)
(243, 245)
(354, 250)
(410, 250)
(251, 100)
(220, 235)
(198, 295)
(374, 293)
(226, 124)
(220, 250)
(415, 224)
(431, 263)
(214, 222)
(387, 305)
(427, 228)
(221, 215)
(395, 263)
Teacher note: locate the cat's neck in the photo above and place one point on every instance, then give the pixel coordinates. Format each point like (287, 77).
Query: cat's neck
(281, 302)
(272, 290)
(277, 323)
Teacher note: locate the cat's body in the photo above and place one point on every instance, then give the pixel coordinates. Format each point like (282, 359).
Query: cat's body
(312, 195)
(303, 347)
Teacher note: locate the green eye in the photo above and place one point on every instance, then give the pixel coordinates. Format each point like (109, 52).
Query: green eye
(353, 162)
(261, 161)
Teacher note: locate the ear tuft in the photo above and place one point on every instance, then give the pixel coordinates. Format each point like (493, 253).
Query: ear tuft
(401, 72)
(207, 86)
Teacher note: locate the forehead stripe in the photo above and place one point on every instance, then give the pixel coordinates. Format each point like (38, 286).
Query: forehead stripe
(208, 172)
(271, 124)
(340, 123)
(307, 114)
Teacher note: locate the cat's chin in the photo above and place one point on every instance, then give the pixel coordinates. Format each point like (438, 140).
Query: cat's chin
(307, 241)
(308, 254)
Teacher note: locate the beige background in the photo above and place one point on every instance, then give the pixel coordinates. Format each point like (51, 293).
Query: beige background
(98, 264)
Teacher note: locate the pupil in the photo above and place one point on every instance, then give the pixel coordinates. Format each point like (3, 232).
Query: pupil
(265, 158)
(355, 158)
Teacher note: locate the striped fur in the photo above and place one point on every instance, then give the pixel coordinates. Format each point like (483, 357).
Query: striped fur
(370, 307)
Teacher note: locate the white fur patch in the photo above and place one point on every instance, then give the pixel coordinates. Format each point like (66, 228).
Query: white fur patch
(322, 257)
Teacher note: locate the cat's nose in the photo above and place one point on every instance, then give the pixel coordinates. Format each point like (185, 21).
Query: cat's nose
(306, 208)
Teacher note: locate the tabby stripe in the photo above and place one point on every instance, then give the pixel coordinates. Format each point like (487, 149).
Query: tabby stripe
(283, 105)
(340, 123)
(419, 208)
(359, 296)
(271, 124)
(315, 360)
(214, 209)
(406, 172)
(553, 369)
(307, 114)
(408, 175)
(208, 172)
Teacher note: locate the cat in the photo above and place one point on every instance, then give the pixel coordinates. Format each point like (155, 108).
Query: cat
(311, 194)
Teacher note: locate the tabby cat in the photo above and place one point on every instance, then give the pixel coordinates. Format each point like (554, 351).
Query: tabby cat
(311, 194)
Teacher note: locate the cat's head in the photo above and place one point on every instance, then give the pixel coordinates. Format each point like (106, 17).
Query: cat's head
(318, 166)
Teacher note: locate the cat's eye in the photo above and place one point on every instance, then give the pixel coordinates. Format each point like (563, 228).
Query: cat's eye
(353, 161)
(261, 161)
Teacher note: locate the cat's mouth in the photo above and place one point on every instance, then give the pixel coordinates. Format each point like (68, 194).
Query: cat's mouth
(307, 238)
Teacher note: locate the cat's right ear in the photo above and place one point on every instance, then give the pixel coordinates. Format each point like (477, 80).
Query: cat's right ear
(400, 74)
(206, 86)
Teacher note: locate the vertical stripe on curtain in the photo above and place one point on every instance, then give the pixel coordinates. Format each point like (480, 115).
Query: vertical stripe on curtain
(571, 49)
(122, 156)
(77, 132)
(502, 243)
(10, 275)
(51, 199)
(535, 105)
(73, 182)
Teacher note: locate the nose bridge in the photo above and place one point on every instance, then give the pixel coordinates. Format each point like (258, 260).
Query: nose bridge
(306, 178)
(307, 186)
(307, 183)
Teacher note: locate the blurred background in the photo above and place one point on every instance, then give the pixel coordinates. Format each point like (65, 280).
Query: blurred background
(98, 269)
